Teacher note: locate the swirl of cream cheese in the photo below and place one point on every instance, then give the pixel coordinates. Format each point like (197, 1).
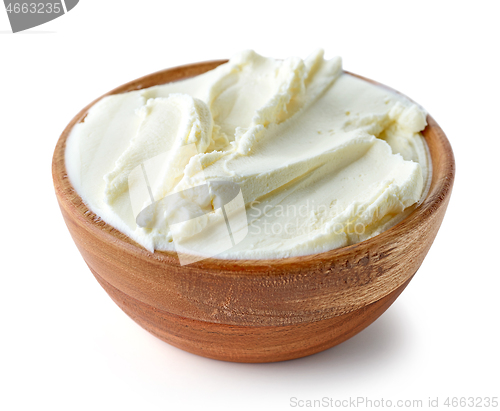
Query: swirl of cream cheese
(323, 159)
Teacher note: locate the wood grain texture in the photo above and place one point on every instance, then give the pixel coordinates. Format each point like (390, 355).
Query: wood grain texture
(248, 344)
(259, 298)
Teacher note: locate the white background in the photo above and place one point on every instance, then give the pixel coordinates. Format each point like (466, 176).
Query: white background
(66, 346)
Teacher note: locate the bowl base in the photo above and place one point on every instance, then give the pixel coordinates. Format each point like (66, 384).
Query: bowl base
(249, 344)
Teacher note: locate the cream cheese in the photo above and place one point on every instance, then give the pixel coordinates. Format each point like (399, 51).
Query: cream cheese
(323, 159)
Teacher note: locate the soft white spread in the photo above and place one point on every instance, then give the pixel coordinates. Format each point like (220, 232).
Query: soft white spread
(322, 158)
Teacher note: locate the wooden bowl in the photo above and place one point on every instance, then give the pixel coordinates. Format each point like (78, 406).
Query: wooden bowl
(255, 310)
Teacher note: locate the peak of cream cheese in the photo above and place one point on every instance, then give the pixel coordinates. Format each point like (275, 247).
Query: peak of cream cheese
(322, 159)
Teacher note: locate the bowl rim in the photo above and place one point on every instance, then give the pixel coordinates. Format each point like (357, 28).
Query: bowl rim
(441, 183)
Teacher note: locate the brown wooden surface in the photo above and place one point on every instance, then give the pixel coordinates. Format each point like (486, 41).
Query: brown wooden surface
(316, 290)
(249, 344)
